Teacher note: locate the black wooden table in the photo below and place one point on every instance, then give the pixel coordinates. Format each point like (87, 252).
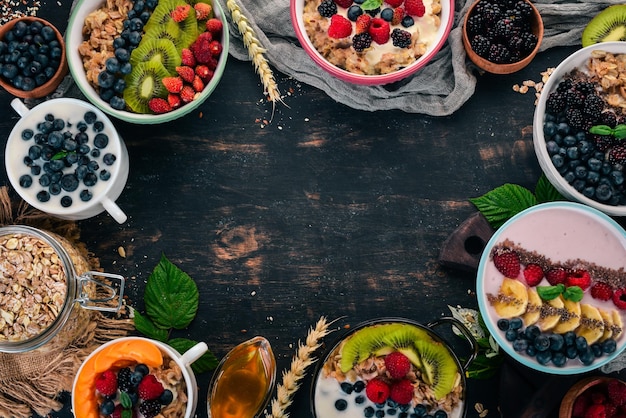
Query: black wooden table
(325, 211)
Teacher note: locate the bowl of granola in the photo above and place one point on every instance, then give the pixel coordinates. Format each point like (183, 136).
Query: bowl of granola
(579, 124)
(149, 61)
(374, 42)
(137, 375)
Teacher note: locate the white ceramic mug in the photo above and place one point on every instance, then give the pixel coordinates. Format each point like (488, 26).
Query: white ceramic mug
(104, 192)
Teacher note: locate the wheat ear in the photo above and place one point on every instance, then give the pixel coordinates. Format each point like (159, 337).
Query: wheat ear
(300, 362)
(255, 52)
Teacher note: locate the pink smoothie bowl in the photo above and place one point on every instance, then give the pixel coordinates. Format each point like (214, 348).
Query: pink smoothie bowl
(437, 42)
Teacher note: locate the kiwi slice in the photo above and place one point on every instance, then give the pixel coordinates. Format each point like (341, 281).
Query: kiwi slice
(161, 24)
(439, 369)
(362, 344)
(161, 50)
(404, 339)
(172, 31)
(608, 25)
(143, 83)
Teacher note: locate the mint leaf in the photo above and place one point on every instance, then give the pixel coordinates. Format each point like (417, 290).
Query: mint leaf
(550, 292)
(573, 293)
(59, 155)
(127, 413)
(503, 202)
(546, 192)
(144, 325)
(125, 400)
(171, 296)
(371, 4)
(205, 363)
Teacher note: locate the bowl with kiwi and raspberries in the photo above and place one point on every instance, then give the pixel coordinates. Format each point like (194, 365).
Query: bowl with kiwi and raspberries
(374, 42)
(552, 304)
(32, 57)
(162, 61)
(579, 127)
(502, 37)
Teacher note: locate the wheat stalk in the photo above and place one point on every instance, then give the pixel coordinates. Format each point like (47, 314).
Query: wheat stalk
(255, 52)
(300, 362)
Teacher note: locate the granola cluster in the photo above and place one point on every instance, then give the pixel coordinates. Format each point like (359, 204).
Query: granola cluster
(610, 70)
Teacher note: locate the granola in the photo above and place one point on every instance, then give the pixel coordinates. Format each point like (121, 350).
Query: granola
(610, 71)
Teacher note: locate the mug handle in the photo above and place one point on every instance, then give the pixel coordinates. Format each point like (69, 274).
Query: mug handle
(194, 353)
(466, 333)
(87, 302)
(19, 107)
(114, 210)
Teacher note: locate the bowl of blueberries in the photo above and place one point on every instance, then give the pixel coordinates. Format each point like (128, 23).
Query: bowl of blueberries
(32, 57)
(579, 125)
(65, 157)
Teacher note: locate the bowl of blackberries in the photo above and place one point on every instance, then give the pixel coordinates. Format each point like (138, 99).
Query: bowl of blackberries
(32, 57)
(163, 60)
(579, 127)
(502, 37)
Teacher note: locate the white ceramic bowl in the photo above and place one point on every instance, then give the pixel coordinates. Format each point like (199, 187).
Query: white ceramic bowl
(104, 192)
(559, 231)
(434, 45)
(83, 389)
(576, 60)
(74, 37)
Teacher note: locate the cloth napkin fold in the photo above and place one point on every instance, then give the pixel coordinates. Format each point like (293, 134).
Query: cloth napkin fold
(438, 89)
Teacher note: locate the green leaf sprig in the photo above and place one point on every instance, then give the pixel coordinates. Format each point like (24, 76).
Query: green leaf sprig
(171, 300)
(573, 293)
(371, 4)
(618, 132)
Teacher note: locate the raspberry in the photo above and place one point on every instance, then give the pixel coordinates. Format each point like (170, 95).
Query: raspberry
(159, 105)
(619, 298)
(556, 275)
(203, 10)
(414, 7)
(394, 3)
(617, 392)
(149, 388)
(506, 261)
(601, 291)
(344, 3)
(187, 57)
(401, 38)
(595, 411)
(214, 26)
(598, 397)
(379, 30)
(401, 391)
(340, 27)
(363, 24)
(580, 278)
(117, 412)
(106, 383)
(397, 364)
(533, 273)
(180, 13)
(377, 390)
(173, 84)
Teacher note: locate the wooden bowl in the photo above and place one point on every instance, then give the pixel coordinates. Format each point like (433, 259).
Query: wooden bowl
(49, 86)
(567, 404)
(491, 67)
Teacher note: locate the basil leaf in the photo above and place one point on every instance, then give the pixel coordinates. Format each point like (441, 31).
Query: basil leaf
(59, 155)
(601, 130)
(125, 400)
(205, 363)
(620, 131)
(144, 325)
(127, 413)
(573, 293)
(501, 203)
(171, 296)
(371, 4)
(550, 292)
(546, 192)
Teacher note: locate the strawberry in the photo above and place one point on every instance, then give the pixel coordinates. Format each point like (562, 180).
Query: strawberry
(197, 84)
(186, 73)
(149, 388)
(397, 364)
(506, 261)
(203, 10)
(401, 391)
(340, 27)
(159, 105)
(379, 30)
(204, 73)
(216, 48)
(414, 7)
(580, 278)
(106, 383)
(174, 101)
(619, 298)
(187, 58)
(556, 275)
(344, 3)
(596, 411)
(377, 390)
(187, 94)
(363, 23)
(214, 26)
(398, 15)
(394, 3)
(173, 84)
(601, 291)
(617, 392)
(533, 273)
(180, 13)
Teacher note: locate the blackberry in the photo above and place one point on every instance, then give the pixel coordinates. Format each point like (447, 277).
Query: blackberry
(530, 41)
(481, 44)
(593, 107)
(151, 408)
(475, 25)
(373, 12)
(499, 54)
(327, 8)
(574, 98)
(524, 9)
(361, 41)
(491, 14)
(504, 29)
(617, 154)
(564, 85)
(123, 379)
(585, 87)
(556, 102)
(401, 38)
(575, 118)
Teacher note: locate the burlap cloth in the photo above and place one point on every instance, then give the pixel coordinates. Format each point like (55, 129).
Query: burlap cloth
(31, 382)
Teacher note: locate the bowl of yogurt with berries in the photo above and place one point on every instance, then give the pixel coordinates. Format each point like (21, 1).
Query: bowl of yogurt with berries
(373, 42)
(551, 288)
(65, 157)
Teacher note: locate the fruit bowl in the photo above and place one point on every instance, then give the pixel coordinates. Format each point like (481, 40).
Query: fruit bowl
(147, 52)
(395, 365)
(610, 393)
(551, 290)
(366, 66)
(582, 166)
(41, 74)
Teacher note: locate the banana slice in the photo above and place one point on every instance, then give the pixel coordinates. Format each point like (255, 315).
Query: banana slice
(607, 317)
(570, 319)
(511, 300)
(551, 311)
(618, 325)
(533, 310)
(591, 324)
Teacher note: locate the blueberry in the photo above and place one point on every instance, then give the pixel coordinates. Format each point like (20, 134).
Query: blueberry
(28, 84)
(549, 129)
(510, 335)
(98, 126)
(26, 181)
(112, 65)
(557, 160)
(107, 407)
(359, 399)
(69, 182)
(133, 396)
(27, 134)
(95, 153)
(136, 24)
(609, 346)
(85, 195)
(368, 412)
(35, 170)
(587, 357)
(83, 149)
(126, 68)
(503, 324)
(70, 145)
(166, 397)
(89, 117)
(559, 359)
(34, 152)
(569, 177)
(380, 413)
(420, 410)
(48, 33)
(531, 332)
(556, 342)
(119, 42)
(341, 404)
(122, 54)
(101, 140)
(515, 323)
(55, 189)
(520, 345)
(43, 196)
(563, 128)
(569, 338)
(604, 192)
(581, 344)
(552, 147)
(542, 343)
(81, 138)
(354, 12)
(106, 79)
(119, 86)
(90, 179)
(66, 201)
(441, 414)
(135, 378)
(391, 411)
(347, 387)
(387, 14)
(544, 357)
(573, 153)
(589, 192)
(359, 385)
(596, 349)
(45, 180)
(55, 139)
(617, 177)
(407, 21)
(571, 352)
